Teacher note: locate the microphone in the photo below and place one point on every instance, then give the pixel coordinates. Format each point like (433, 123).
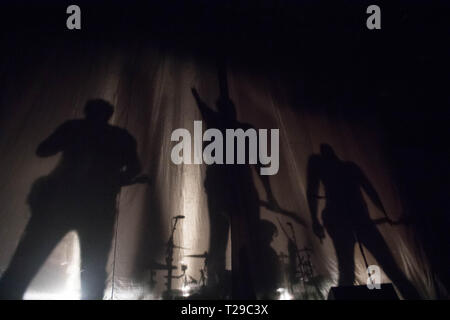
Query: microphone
(178, 217)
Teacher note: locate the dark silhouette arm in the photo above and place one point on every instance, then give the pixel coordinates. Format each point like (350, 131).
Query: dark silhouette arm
(263, 178)
(55, 142)
(267, 187)
(132, 166)
(312, 189)
(207, 112)
(370, 190)
(272, 203)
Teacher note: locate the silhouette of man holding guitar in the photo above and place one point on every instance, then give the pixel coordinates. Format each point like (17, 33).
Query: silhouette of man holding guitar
(97, 159)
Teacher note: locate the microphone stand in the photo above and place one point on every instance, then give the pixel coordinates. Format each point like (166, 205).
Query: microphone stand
(169, 257)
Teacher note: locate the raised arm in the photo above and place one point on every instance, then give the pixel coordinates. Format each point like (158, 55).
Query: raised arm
(207, 113)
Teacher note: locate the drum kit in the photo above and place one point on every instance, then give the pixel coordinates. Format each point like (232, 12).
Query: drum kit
(299, 271)
(190, 285)
(299, 277)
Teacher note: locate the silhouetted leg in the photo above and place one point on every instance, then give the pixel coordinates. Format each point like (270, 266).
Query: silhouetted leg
(95, 244)
(243, 288)
(38, 241)
(247, 226)
(373, 240)
(219, 225)
(344, 245)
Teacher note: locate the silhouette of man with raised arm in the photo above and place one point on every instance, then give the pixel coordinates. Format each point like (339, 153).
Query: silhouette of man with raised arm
(346, 216)
(79, 194)
(233, 201)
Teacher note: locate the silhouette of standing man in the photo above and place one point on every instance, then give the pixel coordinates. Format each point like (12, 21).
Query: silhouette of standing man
(80, 195)
(233, 203)
(346, 216)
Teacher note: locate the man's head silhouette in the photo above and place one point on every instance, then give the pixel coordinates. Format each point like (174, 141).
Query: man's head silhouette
(327, 152)
(98, 110)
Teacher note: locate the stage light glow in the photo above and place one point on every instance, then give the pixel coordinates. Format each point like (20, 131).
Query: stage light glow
(186, 291)
(71, 290)
(284, 294)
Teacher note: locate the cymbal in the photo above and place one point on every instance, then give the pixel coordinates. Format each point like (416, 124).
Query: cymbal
(203, 255)
(160, 266)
